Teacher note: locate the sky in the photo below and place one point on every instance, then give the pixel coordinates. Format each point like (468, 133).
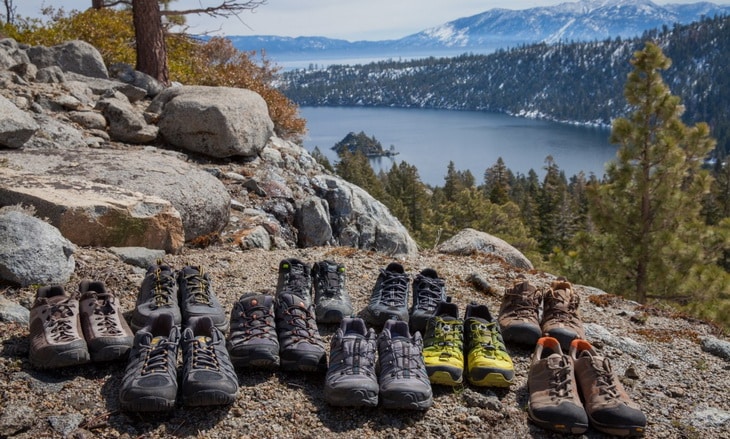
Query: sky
(351, 20)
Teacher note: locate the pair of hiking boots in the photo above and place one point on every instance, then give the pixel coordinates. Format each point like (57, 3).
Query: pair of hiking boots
(389, 298)
(151, 381)
(71, 329)
(569, 392)
(281, 331)
(184, 294)
(397, 378)
(450, 340)
(519, 314)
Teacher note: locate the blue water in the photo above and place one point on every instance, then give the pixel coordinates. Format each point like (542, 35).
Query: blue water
(429, 139)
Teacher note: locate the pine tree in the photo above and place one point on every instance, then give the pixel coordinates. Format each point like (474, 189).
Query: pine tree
(497, 180)
(652, 240)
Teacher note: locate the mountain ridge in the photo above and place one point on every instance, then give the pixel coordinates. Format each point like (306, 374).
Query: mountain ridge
(585, 20)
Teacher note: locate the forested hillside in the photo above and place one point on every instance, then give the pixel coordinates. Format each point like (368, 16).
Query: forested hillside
(569, 82)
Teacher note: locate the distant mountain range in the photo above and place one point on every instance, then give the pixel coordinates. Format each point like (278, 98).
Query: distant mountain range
(585, 20)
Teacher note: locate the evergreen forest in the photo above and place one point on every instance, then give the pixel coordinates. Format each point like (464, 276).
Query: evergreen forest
(566, 82)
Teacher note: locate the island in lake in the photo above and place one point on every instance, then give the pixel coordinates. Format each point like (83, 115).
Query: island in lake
(369, 146)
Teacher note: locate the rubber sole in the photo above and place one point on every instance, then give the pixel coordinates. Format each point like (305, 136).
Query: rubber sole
(148, 404)
(445, 378)
(560, 427)
(491, 380)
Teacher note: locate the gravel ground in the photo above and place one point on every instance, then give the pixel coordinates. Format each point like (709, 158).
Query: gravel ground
(683, 390)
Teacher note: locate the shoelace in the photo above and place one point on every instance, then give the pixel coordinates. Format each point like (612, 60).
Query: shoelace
(429, 297)
(162, 291)
(563, 310)
(199, 286)
(359, 362)
(395, 289)
(156, 357)
(405, 360)
(525, 306)
(331, 284)
(253, 322)
(447, 333)
(104, 315)
(300, 324)
(560, 381)
(606, 382)
(487, 338)
(296, 281)
(204, 355)
(59, 322)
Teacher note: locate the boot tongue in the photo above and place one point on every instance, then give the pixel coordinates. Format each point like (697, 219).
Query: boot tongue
(555, 361)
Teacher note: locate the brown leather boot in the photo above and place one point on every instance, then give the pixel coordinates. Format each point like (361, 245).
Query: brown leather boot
(554, 402)
(609, 407)
(560, 317)
(519, 314)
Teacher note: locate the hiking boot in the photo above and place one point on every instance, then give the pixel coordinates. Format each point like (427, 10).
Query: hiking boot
(443, 346)
(301, 346)
(295, 278)
(403, 380)
(554, 402)
(253, 341)
(197, 298)
(519, 315)
(428, 291)
(208, 377)
(56, 338)
(351, 379)
(389, 299)
(487, 360)
(106, 332)
(560, 318)
(331, 301)
(609, 407)
(158, 294)
(150, 379)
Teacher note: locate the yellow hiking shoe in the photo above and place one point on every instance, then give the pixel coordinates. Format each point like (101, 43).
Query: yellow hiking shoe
(488, 363)
(443, 346)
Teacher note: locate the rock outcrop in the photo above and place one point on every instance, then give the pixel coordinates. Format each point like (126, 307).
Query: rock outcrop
(112, 158)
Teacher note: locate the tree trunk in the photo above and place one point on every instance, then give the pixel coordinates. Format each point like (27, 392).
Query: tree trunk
(97, 4)
(151, 49)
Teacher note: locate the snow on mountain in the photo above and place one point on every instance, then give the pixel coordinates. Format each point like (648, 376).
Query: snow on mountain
(584, 20)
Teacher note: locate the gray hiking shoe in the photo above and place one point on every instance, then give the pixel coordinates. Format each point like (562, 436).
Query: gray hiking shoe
(208, 377)
(107, 334)
(554, 402)
(389, 299)
(560, 318)
(150, 379)
(428, 291)
(295, 278)
(331, 301)
(158, 294)
(403, 380)
(253, 341)
(300, 346)
(609, 407)
(351, 379)
(197, 298)
(519, 314)
(56, 337)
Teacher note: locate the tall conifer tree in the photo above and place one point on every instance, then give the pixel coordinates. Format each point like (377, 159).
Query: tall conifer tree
(652, 240)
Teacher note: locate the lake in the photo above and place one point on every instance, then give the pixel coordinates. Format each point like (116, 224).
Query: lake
(429, 139)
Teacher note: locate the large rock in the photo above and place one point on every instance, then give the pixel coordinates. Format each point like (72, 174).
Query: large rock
(16, 126)
(125, 124)
(93, 214)
(200, 198)
(359, 220)
(33, 251)
(470, 241)
(72, 56)
(312, 221)
(215, 121)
